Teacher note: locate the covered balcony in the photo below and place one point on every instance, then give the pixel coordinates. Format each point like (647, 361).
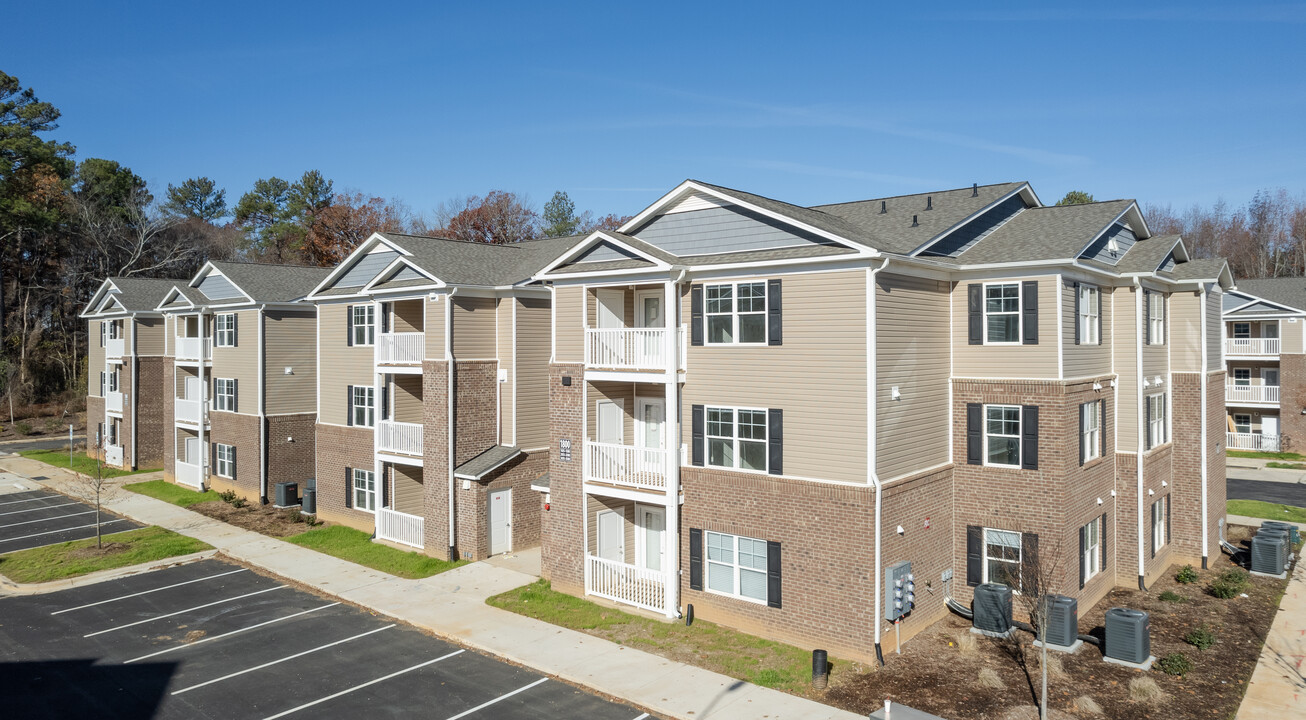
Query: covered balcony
(629, 329)
(1252, 394)
(628, 558)
(189, 467)
(190, 343)
(399, 437)
(399, 429)
(114, 347)
(641, 468)
(399, 519)
(188, 401)
(627, 447)
(1252, 347)
(402, 340)
(1252, 441)
(113, 401)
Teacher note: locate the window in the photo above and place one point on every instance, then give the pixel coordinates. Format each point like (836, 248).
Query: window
(1242, 424)
(1160, 522)
(113, 381)
(1270, 377)
(224, 330)
(104, 334)
(114, 329)
(1088, 315)
(1002, 557)
(736, 438)
(736, 314)
(1090, 430)
(362, 411)
(1242, 330)
(226, 460)
(1156, 434)
(1092, 560)
(1242, 377)
(1002, 435)
(1156, 318)
(1002, 313)
(224, 394)
(362, 325)
(365, 490)
(736, 566)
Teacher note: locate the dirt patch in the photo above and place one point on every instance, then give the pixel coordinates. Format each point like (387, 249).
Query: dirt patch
(937, 675)
(41, 421)
(193, 635)
(263, 519)
(112, 548)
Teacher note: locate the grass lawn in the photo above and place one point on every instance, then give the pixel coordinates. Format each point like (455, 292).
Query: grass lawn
(353, 545)
(746, 657)
(170, 492)
(81, 463)
(1265, 455)
(1268, 511)
(1286, 466)
(80, 557)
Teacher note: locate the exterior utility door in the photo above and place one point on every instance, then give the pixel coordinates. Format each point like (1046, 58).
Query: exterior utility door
(650, 526)
(612, 536)
(192, 451)
(500, 521)
(192, 388)
(649, 422)
(610, 422)
(1270, 425)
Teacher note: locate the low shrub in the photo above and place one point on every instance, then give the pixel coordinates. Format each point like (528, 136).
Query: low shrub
(1145, 689)
(1086, 705)
(1171, 596)
(1186, 575)
(294, 516)
(239, 502)
(1235, 575)
(1175, 663)
(227, 495)
(22, 427)
(1200, 637)
(53, 425)
(989, 678)
(1230, 583)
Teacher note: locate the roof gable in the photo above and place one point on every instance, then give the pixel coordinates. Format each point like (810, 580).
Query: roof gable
(722, 229)
(974, 229)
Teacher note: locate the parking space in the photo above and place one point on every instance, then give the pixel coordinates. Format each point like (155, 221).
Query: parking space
(214, 640)
(38, 517)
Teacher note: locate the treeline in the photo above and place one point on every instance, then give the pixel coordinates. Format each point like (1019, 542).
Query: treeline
(66, 224)
(1264, 238)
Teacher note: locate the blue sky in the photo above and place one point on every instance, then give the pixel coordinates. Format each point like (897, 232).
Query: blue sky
(806, 102)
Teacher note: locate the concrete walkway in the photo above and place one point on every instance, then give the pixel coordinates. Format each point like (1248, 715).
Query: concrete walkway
(452, 605)
(1278, 686)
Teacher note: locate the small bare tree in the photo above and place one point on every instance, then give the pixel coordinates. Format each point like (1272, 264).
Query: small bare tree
(95, 489)
(1041, 576)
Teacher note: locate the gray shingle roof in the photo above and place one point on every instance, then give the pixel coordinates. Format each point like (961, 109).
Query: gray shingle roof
(1047, 233)
(1147, 255)
(143, 294)
(487, 462)
(457, 262)
(1203, 269)
(273, 283)
(1290, 291)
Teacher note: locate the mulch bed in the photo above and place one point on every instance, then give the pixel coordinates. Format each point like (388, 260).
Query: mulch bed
(935, 674)
(263, 519)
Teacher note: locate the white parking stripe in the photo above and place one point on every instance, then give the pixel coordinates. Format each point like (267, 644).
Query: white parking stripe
(56, 517)
(274, 662)
(56, 532)
(482, 706)
(641, 717)
(233, 632)
(181, 612)
(35, 499)
(146, 592)
(43, 507)
(360, 687)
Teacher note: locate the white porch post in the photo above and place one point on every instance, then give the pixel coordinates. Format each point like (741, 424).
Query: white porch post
(671, 431)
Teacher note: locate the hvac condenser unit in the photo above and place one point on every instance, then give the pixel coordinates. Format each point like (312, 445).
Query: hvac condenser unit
(992, 609)
(287, 494)
(1270, 553)
(1293, 536)
(1062, 617)
(1128, 636)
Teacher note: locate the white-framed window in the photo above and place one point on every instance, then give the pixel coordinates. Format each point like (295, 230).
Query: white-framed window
(1092, 548)
(111, 433)
(224, 394)
(1002, 557)
(1156, 316)
(1090, 429)
(1002, 435)
(736, 438)
(736, 566)
(1160, 513)
(113, 379)
(114, 329)
(1002, 314)
(1088, 315)
(362, 324)
(1156, 424)
(1242, 330)
(1242, 424)
(224, 330)
(736, 313)
(362, 408)
(225, 457)
(364, 490)
(104, 333)
(1242, 377)
(1270, 377)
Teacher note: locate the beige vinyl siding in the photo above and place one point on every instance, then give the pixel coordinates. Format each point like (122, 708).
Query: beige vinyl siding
(911, 347)
(180, 376)
(434, 325)
(1290, 335)
(1081, 361)
(240, 362)
(533, 317)
(474, 328)
(817, 377)
(182, 434)
(149, 338)
(408, 492)
(1007, 361)
(406, 398)
(347, 365)
(128, 334)
(627, 510)
(619, 392)
(505, 352)
(1186, 331)
(291, 340)
(169, 330)
(406, 316)
(1214, 330)
(94, 358)
(627, 304)
(569, 328)
(1124, 345)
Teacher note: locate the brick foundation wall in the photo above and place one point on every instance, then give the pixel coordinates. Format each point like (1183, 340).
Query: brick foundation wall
(1292, 398)
(291, 460)
(1216, 492)
(473, 506)
(562, 542)
(169, 431)
(152, 418)
(909, 502)
(435, 458)
(128, 391)
(1186, 490)
(1157, 468)
(94, 416)
(338, 448)
(476, 415)
(242, 431)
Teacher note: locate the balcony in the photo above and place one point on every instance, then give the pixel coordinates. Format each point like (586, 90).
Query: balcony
(113, 455)
(1251, 394)
(189, 474)
(1253, 347)
(188, 411)
(194, 348)
(114, 347)
(399, 527)
(405, 348)
(1251, 441)
(630, 348)
(113, 401)
(626, 465)
(624, 583)
(399, 437)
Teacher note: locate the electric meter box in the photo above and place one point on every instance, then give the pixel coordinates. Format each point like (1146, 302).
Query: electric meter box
(899, 590)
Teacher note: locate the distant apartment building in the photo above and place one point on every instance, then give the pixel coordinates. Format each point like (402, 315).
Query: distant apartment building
(1265, 348)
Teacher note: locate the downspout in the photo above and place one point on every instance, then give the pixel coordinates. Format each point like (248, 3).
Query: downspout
(871, 436)
(262, 407)
(204, 401)
(1201, 298)
(136, 393)
(1142, 430)
(448, 358)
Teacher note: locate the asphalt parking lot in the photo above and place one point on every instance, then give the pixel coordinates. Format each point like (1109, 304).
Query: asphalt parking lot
(38, 517)
(214, 640)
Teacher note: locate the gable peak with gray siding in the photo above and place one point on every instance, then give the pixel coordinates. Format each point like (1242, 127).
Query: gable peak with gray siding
(719, 229)
(218, 287)
(1101, 249)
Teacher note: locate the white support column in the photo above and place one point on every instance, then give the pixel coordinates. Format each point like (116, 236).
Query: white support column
(671, 431)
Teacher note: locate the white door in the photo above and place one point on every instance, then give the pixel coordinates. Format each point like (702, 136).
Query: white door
(649, 531)
(1270, 330)
(1270, 377)
(649, 422)
(649, 309)
(612, 536)
(192, 388)
(609, 422)
(192, 451)
(611, 309)
(500, 521)
(1270, 425)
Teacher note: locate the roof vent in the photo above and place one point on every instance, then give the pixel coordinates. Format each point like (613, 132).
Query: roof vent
(929, 202)
(913, 221)
(974, 189)
(884, 207)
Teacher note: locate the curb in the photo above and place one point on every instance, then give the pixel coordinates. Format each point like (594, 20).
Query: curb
(11, 588)
(3, 443)
(1256, 522)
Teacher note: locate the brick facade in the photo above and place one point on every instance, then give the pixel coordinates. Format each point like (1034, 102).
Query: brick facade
(435, 458)
(153, 410)
(562, 548)
(338, 448)
(94, 417)
(1188, 442)
(1216, 480)
(242, 431)
(291, 447)
(169, 420)
(1292, 398)
(473, 506)
(476, 408)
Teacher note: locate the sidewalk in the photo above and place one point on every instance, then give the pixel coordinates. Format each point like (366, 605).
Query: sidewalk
(1278, 686)
(1256, 522)
(452, 605)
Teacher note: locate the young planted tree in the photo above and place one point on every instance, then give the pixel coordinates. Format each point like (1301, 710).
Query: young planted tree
(95, 489)
(1041, 576)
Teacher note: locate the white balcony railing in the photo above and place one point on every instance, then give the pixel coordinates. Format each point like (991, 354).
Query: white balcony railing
(399, 437)
(624, 583)
(113, 401)
(1251, 346)
(404, 348)
(189, 474)
(1251, 393)
(114, 347)
(627, 348)
(194, 348)
(399, 527)
(637, 467)
(1252, 441)
(113, 455)
(187, 411)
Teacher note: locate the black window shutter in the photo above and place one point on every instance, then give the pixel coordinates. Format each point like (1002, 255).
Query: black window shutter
(695, 559)
(1029, 569)
(1083, 418)
(385, 402)
(385, 491)
(1099, 315)
(775, 441)
(1083, 548)
(349, 325)
(974, 434)
(1101, 427)
(349, 404)
(102, 384)
(1153, 528)
(696, 315)
(1029, 439)
(349, 487)
(1147, 423)
(233, 462)
(1167, 518)
(1147, 316)
(235, 337)
(699, 422)
(772, 574)
(213, 457)
(774, 320)
(1078, 310)
(975, 314)
(974, 555)
(1101, 539)
(234, 396)
(1029, 312)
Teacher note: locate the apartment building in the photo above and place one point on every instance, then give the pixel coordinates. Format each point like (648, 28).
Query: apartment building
(763, 410)
(1266, 353)
(125, 366)
(433, 400)
(240, 377)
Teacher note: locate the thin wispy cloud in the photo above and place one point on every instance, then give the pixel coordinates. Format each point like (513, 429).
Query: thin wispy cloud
(832, 172)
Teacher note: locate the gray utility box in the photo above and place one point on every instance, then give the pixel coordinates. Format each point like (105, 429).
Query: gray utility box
(1128, 636)
(287, 494)
(1062, 615)
(992, 609)
(899, 590)
(309, 503)
(1270, 553)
